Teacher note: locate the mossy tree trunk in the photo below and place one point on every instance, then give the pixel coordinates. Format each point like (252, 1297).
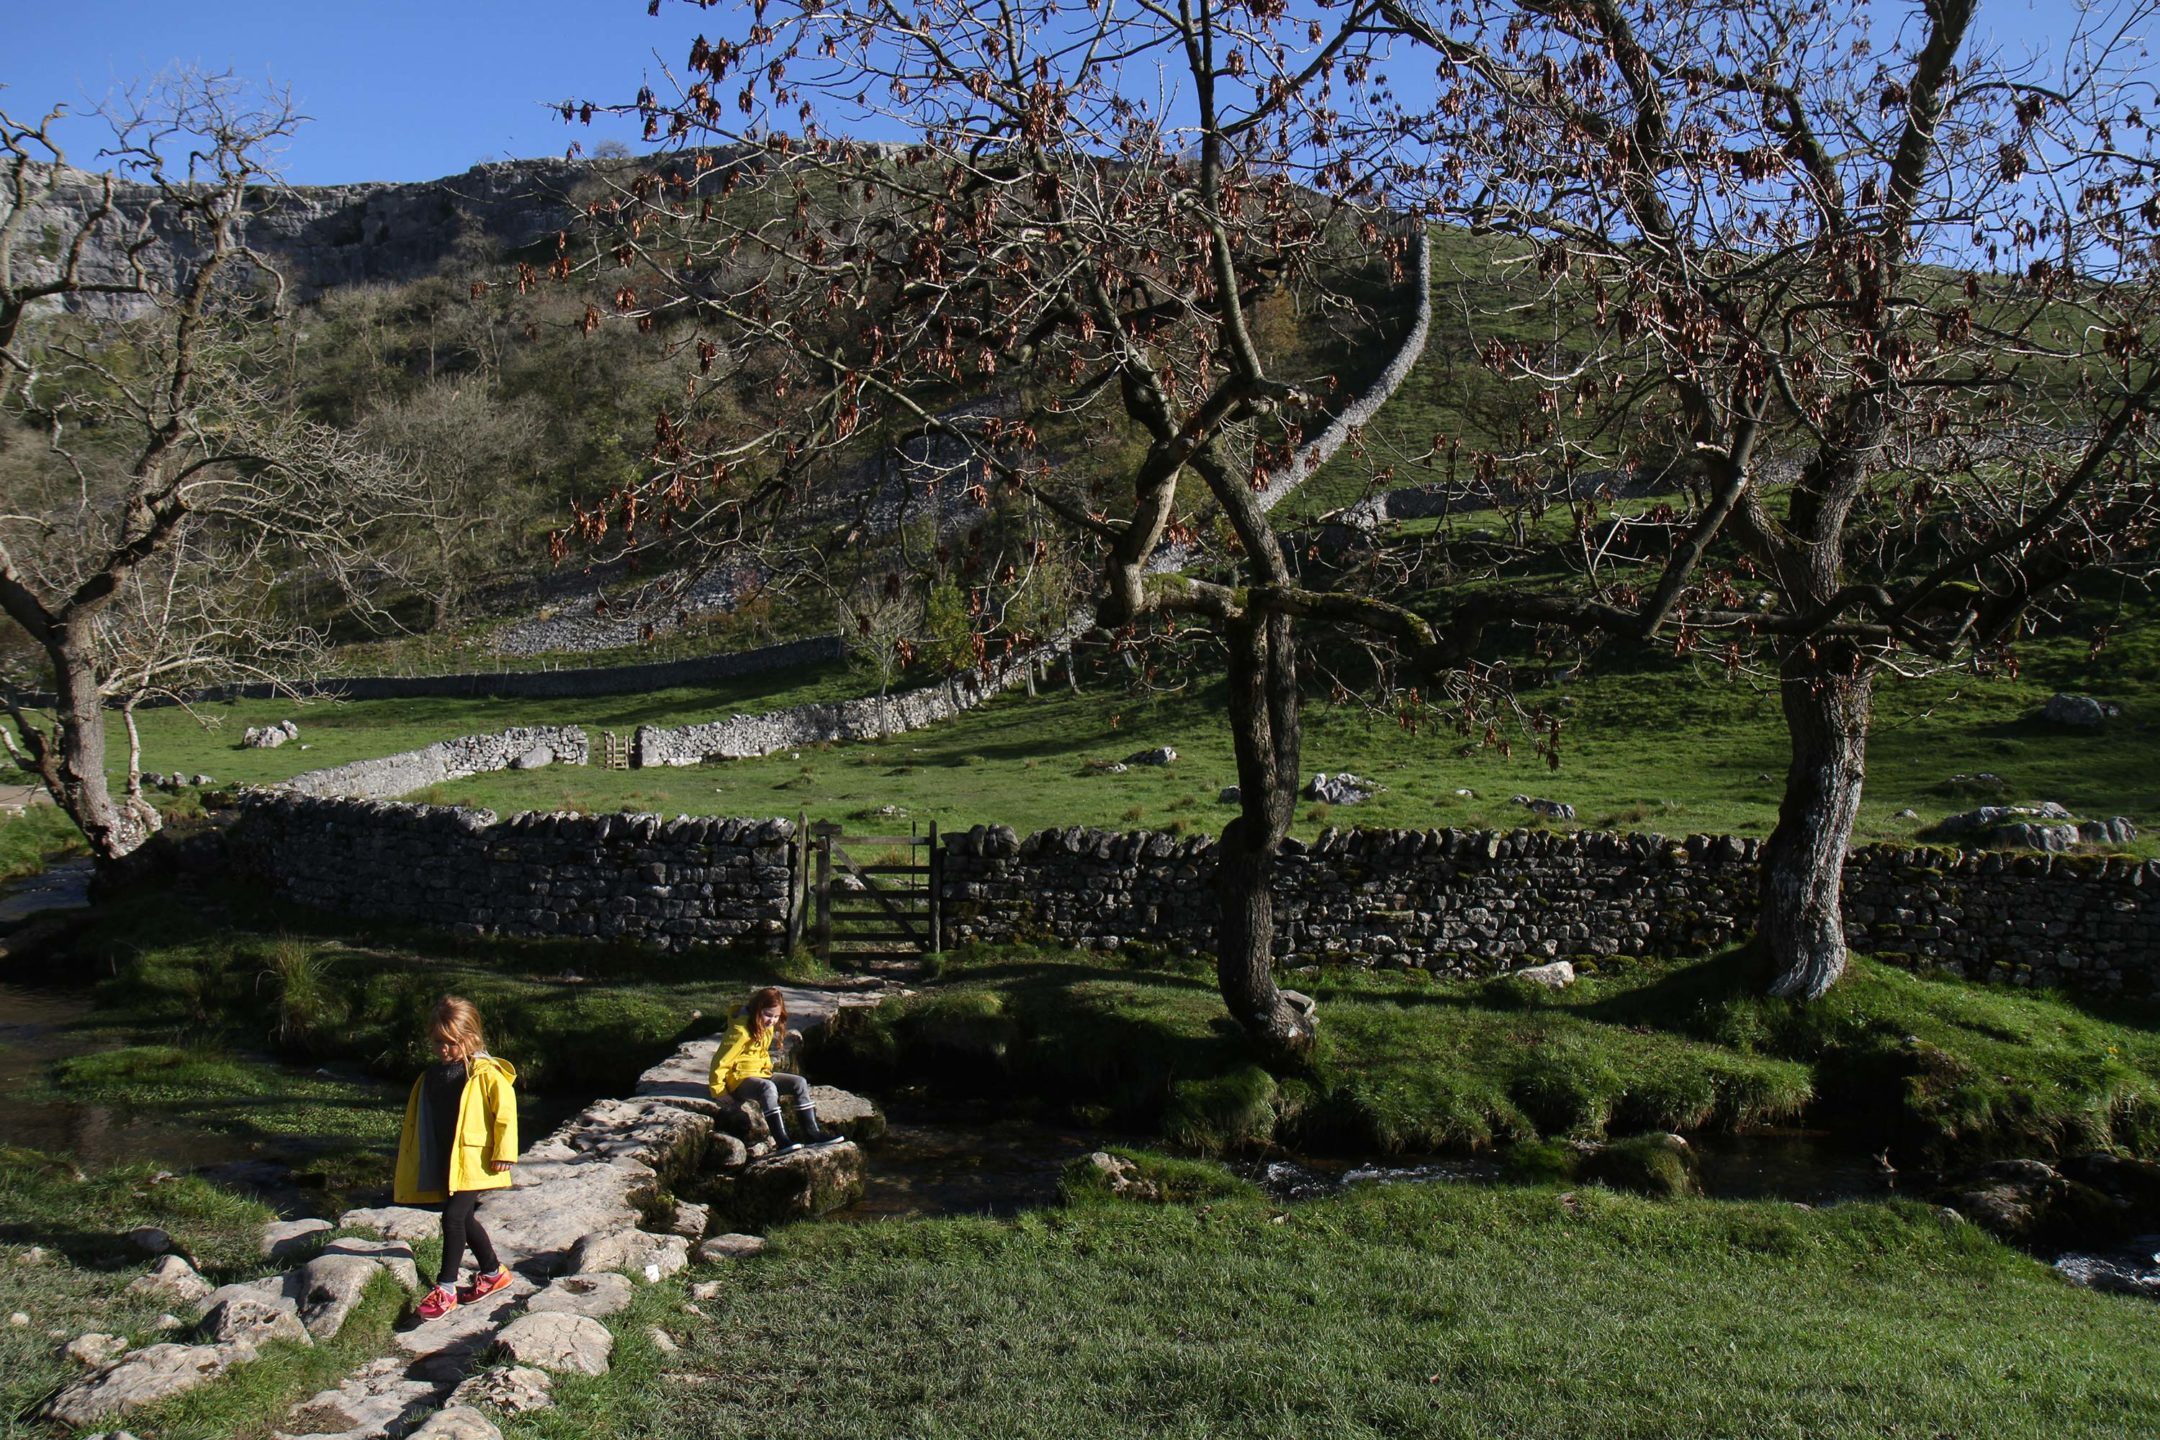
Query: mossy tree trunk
(1828, 692)
(1264, 730)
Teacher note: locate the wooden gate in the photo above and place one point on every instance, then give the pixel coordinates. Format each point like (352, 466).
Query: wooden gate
(876, 897)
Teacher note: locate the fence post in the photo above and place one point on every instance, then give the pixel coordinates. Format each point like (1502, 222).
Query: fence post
(798, 880)
(824, 897)
(937, 893)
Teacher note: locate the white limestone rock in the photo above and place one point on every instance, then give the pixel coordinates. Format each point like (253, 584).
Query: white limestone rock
(564, 1343)
(172, 1276)
(245, 1316)
(1556, 976)
(599, 1295)
(457, 1423)
(144, 1377)
(730, 1247)
(395, 1222)
(290, 1239)
(638, 1252)
(506, 1389)
(94, 1349)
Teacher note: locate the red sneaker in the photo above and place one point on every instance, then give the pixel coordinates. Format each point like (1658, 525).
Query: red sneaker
(484, 1285)
(437, 1303)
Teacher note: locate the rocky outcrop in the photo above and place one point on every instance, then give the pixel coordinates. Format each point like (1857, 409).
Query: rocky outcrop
(323, 237)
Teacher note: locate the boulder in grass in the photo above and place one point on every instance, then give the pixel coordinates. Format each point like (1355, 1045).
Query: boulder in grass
(799, 1185)
(144, 1377)
(537, 758)
(2081, 711)
(1343, 789)
(1545, 809)
(1556, 976)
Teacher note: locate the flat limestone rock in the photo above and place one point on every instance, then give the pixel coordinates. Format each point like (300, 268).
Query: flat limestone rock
(250, 1317)
(148, 1375)
(507, 1389)
(468, 1329)
(395, 1222)
(327, 1288)
(577, 1344)
(173, 1276)
(377, 1400)
(394, 1255)
(598, 1294)
(639, 1252)
(457, 1423)
(290, 1239)
(797, 1186)
(731, 1247)
(94, 1349)
(848, 1113)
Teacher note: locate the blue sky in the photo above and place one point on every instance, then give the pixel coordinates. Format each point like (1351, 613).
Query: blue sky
(400, 90)
(397, 90)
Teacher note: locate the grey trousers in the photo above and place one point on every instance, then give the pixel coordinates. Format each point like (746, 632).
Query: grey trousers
(764, 1091)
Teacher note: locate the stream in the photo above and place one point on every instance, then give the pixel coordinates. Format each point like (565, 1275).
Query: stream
(933, 1161)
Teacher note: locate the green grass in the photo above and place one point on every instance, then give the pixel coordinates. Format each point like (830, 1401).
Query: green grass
(336, 732)
(1648, 745)
(34, 839)
(1391, 1311)
(81, 1284)
(298, 1035)
(1928, 1066)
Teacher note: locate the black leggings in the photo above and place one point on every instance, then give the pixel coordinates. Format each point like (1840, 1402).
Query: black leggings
(461, 1227)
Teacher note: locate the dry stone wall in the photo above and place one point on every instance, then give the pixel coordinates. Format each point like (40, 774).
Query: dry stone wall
(521, 747)
(669, 883)
(1460, 902)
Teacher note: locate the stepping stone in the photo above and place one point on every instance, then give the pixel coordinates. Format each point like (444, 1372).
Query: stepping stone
(148, 1375)
(457, 1423)
(376, 1401)
(637, 1252)
(289, 1239)
(731, 1247)
(172, 1276)
(508, 1389)
(576, 1344)
(466, 1330)
(599, 1295)
(397, 1222)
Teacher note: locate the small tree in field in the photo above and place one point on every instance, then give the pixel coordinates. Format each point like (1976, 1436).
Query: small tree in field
(1883, 301)
(165, 512)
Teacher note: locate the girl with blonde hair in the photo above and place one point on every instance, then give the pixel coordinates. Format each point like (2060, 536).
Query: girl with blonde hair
(460, 1139)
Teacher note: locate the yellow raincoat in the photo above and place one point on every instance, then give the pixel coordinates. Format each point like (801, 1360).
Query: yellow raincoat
(486, 1131)
(740, 1057)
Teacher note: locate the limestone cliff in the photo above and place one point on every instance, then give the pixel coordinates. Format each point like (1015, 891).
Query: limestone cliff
(327, 236)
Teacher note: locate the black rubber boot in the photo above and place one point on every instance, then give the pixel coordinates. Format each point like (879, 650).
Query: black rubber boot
(781, 1143)
(812, 1132)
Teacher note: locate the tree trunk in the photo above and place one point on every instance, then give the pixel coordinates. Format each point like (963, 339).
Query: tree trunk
(73, 766)
(1264, 729)
(1827, 693)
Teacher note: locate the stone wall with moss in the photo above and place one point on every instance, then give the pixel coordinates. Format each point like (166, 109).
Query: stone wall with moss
(1462, 902)
(637, 877)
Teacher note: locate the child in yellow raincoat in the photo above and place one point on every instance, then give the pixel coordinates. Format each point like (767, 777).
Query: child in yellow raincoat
(460, 1138)
(743, 1068)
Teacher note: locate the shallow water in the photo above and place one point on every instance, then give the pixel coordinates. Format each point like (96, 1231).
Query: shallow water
(40, 1027)
(2131, 1268)
(931, 1163)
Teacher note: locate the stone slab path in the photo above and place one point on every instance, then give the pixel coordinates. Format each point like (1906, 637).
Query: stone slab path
(571, 1213)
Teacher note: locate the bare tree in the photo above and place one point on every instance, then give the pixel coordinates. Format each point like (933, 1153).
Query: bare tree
(1063, 234)
(1879, 300)
(166, 511)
